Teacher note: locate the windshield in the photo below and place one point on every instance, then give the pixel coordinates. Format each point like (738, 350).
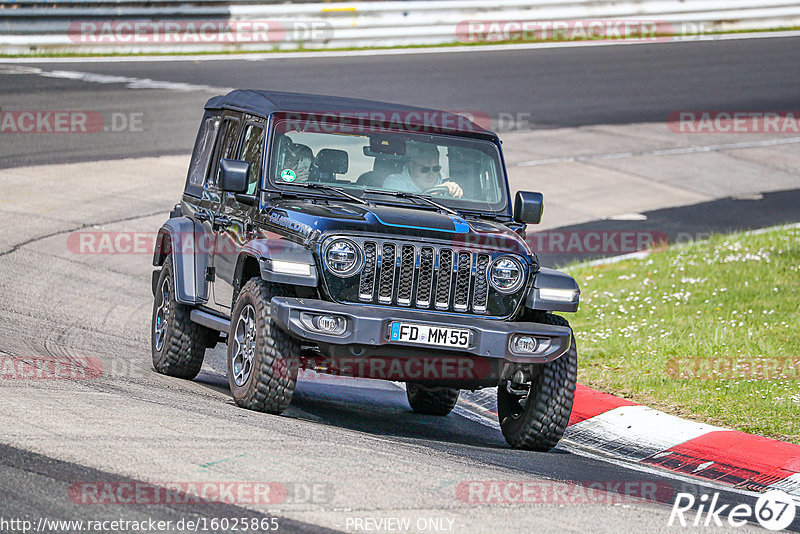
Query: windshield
(459, 172)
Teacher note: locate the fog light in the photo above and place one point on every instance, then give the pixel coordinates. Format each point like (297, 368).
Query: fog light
(524, 344)
(325, 324)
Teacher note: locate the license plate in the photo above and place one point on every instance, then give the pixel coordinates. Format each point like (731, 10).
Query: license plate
(440, 336)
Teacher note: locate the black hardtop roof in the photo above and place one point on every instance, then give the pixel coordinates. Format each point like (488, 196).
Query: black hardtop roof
(264, 103)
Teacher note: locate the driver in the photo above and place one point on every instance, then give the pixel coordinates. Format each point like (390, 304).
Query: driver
(421, 172)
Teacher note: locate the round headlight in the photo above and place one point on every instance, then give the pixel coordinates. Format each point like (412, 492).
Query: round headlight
(342, 257)
(506, 275)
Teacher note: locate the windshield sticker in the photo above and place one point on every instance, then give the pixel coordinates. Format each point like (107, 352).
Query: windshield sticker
(288, 175)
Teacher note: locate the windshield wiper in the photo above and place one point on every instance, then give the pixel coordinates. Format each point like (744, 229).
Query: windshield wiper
(326, 187)
(414, 196)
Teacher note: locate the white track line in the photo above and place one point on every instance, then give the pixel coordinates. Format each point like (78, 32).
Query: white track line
(259, 56)
(92, 77)
(130, 83)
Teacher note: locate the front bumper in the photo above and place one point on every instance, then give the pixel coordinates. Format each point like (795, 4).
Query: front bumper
(370, 326)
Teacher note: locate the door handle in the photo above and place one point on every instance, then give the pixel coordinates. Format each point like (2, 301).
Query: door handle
(202, 216)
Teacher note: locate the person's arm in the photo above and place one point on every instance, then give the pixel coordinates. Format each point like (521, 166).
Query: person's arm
(453, 189)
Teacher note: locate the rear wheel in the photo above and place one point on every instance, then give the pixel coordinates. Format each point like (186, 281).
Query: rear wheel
(534, 415)
(431, 400)
(178, 344)
(262, 359)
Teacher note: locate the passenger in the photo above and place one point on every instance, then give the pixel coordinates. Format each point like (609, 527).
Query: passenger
(421, 173)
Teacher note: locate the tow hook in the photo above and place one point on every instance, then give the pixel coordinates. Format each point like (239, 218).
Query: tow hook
(519, 384)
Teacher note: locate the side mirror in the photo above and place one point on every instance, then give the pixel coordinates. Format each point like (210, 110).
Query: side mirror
(528, 207)
(233, 175)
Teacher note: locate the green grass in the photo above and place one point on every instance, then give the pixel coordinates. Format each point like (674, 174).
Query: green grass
(277, 50)
(709, 331)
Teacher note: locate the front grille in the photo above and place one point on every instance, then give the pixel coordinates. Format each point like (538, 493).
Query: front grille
(424, 277)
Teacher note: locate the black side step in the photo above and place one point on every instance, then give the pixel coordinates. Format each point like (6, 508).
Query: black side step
(210, 320)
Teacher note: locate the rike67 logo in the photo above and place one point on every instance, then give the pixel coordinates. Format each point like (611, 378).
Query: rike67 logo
(774, 510)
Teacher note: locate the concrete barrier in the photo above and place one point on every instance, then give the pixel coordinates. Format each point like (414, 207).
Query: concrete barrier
(136, 26)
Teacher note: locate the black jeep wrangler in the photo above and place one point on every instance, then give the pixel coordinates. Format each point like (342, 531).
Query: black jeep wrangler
(364, 239)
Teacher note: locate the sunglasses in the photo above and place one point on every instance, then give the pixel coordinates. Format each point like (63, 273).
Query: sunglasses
(425, 169)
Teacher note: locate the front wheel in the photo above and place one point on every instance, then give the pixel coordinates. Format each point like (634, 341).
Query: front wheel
(536, 417)
(431, 401)
(262, 359)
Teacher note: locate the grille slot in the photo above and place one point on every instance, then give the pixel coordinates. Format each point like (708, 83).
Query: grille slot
(462, 281)
(425, 279)
(406, 282)
(366, 285)
(444, 275)
(388, 253)
(480, 295)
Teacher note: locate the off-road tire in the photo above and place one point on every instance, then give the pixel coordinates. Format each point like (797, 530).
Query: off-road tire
(273, 375)
(184, 342)
(431, 401)
(542, 422)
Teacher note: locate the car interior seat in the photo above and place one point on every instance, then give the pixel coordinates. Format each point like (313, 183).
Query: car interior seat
(328, 163)
(381, 168)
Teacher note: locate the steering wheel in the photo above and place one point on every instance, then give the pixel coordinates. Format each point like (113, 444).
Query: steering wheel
(439, 190)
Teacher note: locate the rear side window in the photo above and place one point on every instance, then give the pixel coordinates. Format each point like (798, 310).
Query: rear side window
(226, 146)
(201, 157)
(252, 152)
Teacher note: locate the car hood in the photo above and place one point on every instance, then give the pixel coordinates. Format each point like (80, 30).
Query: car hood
(304, 219)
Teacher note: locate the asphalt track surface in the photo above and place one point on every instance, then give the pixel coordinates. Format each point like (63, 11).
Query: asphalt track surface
(361, 440)
(556, 87)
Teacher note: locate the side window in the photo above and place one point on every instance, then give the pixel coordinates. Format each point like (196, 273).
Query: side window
(226, 146)
(252, 151)
(201, 157)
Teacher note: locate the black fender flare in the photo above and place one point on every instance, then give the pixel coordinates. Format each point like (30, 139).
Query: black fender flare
(268, 251)
(189, 246)
(552, 279)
